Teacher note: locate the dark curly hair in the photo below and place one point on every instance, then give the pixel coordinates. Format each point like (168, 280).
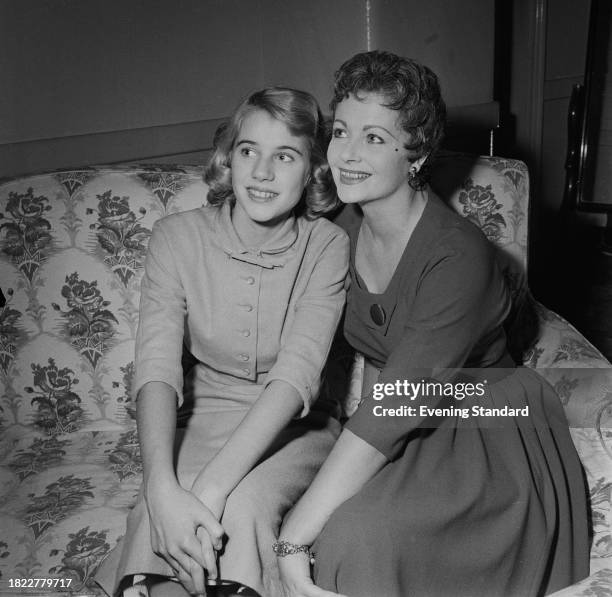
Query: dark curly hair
(300, 112)
(408, 87)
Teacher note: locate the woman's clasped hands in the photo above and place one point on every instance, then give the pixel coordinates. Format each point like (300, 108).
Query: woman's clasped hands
(185, 532)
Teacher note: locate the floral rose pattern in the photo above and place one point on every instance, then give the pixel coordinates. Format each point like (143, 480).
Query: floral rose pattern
(59, 407)
(10, 334)
(120, 234)
(604, 418)
(68, 445)
(27, 234)
(41, 455)
(81, 557)
(163, 184)
(74, 180)
(124, 458)
(126, 398)
(574, 349)
(61, 498)
(601, 499)
(481, 207)
(89, 324)
(564, 388)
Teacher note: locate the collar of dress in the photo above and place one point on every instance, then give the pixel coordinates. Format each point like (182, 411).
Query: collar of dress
(279, 249)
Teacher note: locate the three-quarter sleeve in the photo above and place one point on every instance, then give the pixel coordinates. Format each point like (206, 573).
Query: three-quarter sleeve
(305, 347)
(160, 333)
(459, 297)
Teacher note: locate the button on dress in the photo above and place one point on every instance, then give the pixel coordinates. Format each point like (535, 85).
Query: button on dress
(247, 319)
(466, 507)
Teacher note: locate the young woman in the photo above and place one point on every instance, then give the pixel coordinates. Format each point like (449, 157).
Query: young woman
(252, 286)
(417, 503)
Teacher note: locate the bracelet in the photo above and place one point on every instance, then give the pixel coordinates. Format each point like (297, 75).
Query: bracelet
(284, 548)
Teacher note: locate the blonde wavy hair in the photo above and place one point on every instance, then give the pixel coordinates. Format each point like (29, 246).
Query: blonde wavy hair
(300, 112)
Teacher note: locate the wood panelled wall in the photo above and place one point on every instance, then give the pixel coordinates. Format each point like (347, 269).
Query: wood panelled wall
(454, 38)
(91, 81)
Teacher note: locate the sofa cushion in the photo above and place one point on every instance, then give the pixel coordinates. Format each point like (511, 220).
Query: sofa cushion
(72, 248)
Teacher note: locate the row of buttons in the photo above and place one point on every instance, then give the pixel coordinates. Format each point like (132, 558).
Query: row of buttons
(245, 358)
(250, 280)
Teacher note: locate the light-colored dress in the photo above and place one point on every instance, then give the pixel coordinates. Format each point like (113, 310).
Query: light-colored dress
(246, 319)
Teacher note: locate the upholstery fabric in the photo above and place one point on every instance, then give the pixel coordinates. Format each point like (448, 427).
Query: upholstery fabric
(72, 248)
(72, 252)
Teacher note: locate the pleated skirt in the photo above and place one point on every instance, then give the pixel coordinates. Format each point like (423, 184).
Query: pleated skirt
(472, 507)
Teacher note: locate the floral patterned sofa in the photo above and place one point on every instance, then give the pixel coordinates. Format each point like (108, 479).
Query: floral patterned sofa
(72, 247)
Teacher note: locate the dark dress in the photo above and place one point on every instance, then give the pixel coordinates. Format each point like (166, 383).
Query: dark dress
(475, 506)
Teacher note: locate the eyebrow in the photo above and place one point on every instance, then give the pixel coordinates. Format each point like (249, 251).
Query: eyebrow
(377, 126)
(280, 148)
(367, 127)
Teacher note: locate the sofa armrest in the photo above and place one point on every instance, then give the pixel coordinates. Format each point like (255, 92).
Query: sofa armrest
(560, 344)
(598, 584)
(582, 378)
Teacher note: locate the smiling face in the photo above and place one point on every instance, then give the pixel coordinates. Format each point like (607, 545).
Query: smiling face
(270, 168)
(367, 155)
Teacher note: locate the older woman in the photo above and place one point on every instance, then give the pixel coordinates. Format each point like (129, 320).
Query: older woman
(423, 502)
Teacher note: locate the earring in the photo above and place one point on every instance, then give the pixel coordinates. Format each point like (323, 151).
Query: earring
(418, 174)
(413, 175)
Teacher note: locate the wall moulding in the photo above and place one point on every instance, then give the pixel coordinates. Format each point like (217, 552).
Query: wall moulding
(188, 142)
(145, 144)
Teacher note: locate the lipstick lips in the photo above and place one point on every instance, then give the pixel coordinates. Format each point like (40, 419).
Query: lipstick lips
(261, 195)
(351, 177)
